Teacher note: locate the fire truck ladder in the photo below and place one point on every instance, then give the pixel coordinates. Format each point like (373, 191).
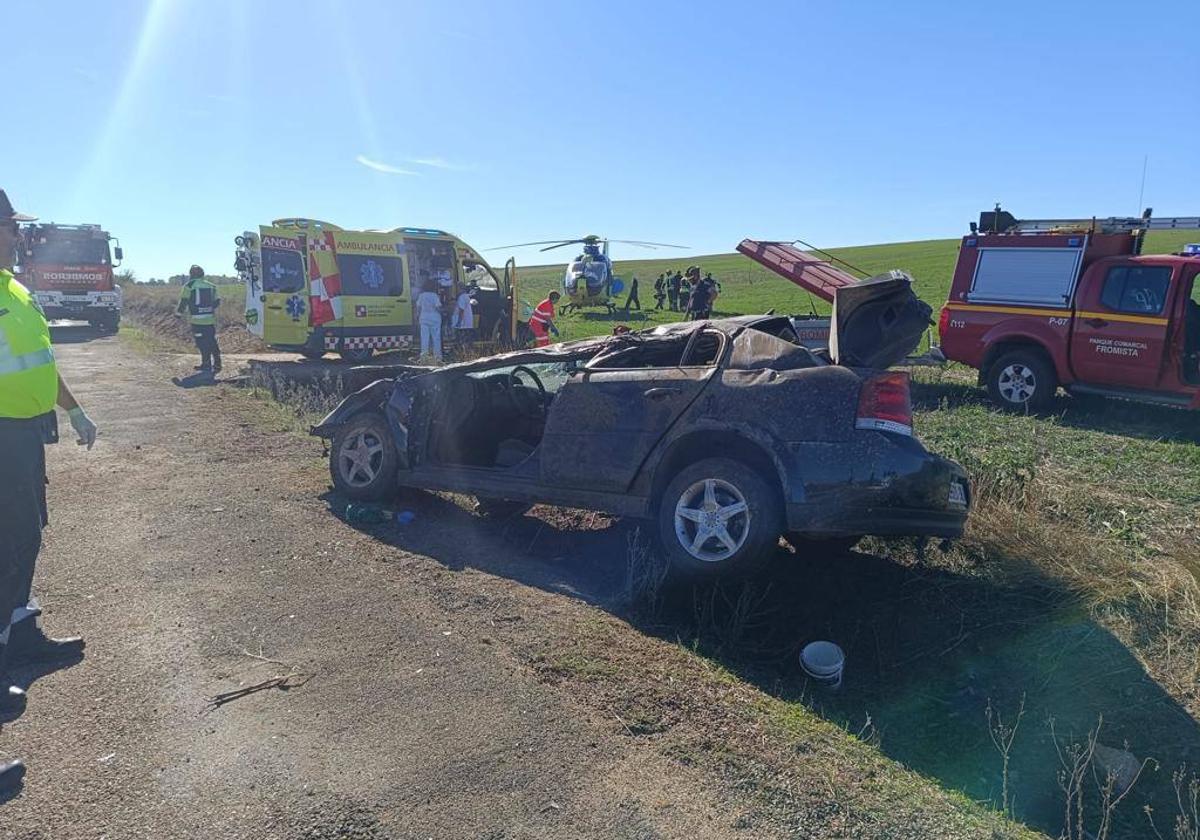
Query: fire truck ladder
(1001, 221)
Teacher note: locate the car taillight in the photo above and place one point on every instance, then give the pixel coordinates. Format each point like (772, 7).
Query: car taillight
(884, 404)
(944, 321)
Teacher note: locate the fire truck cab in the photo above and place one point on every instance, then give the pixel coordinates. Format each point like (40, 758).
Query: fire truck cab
(69, 269)
(1039, 304)
(313, 287)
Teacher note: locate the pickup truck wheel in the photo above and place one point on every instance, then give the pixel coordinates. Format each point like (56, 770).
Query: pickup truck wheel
(362, 460)
(1022, 381)
(718, 517)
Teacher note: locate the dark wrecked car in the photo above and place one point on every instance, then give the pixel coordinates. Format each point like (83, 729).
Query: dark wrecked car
(727, 433)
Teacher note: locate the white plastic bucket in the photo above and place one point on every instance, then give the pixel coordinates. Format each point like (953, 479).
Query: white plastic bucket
(823, 662)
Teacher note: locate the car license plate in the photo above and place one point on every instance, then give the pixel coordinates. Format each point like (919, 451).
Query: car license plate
(958, 494)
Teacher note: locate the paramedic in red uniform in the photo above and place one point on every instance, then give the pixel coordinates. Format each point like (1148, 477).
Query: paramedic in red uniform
(541, 322)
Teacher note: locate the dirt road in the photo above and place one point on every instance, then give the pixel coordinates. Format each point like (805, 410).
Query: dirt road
(193, 548)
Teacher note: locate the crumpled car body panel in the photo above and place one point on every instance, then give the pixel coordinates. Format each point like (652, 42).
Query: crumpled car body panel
(629, 411)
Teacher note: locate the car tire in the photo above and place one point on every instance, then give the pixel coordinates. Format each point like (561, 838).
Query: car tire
(358, 469)
(362, 354)
(500, 508)
(1023, 380)
(705, 487)
(312, 355)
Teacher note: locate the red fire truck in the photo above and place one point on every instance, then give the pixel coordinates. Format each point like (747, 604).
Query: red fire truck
(1038, 304)
(69, 268)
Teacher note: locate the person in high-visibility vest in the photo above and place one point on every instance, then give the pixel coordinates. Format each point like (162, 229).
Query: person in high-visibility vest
(541, 322)
(30, 387)
(199, 301)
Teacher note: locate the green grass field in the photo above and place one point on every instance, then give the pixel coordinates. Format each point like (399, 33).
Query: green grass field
(747, 287)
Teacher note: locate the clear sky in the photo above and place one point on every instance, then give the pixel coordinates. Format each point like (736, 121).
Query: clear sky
(179, 123)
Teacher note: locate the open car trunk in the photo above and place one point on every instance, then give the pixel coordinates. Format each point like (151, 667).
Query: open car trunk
(877, 322)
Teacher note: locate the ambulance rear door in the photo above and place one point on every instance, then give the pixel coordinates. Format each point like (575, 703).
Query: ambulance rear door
(433, 265)
(376, 305)
(284, 293)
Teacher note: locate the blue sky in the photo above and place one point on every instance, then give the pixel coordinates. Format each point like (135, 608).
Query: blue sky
(179, 123)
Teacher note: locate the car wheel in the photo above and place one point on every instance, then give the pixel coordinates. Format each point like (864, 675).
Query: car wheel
(1022, 380)
(718, 517)
(312, 354)
(362, 354)
(362, 460)
(500, 508)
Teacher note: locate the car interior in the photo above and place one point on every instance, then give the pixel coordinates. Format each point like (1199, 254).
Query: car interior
(496, 418)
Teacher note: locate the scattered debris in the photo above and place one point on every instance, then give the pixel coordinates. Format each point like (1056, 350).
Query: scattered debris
(283, 683)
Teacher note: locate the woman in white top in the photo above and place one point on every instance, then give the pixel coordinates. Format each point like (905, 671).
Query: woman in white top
(429, 318)
(464, 317)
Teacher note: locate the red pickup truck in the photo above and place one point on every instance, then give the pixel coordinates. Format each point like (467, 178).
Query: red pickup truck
(1039, 304)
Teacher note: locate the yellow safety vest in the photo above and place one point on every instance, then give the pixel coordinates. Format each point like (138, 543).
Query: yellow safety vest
(199, 299)
(28, 376)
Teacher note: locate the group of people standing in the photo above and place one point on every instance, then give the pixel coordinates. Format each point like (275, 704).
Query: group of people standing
(432, 306)
(687, 292)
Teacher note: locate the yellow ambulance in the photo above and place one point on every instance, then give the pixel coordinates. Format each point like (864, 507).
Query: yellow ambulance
(314, 288)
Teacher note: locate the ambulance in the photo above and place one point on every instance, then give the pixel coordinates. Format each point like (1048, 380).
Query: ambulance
(314, 288)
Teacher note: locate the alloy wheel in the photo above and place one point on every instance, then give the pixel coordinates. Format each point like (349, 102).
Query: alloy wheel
(712, 520)
(361, 458)
(1017, 383)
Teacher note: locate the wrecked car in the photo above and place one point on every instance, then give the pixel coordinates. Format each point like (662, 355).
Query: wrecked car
(725, 433)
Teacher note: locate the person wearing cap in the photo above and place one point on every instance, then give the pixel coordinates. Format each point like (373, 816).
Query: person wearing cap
(200, 299)
(30, 387)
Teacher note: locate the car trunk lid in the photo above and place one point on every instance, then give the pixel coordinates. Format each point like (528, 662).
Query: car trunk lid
(877, 322)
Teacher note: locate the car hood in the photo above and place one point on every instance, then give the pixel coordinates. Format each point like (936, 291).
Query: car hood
(877, 322)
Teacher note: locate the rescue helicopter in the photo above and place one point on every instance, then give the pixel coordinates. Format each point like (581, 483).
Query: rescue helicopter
(588, 280)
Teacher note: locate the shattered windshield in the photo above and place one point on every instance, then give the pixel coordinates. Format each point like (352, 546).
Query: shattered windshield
(553, 375)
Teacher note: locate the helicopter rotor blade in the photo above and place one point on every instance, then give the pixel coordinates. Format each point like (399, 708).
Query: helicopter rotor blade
(648, 244)
(528, 244)
(562, 244)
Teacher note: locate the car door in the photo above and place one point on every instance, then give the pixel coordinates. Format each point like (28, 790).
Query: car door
(1121, 322)
(283, 294)
(605, 421)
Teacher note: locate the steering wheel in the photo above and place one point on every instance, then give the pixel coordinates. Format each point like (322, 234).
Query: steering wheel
(524, 407)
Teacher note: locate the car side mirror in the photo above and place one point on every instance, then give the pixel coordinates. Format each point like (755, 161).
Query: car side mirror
(118, 253)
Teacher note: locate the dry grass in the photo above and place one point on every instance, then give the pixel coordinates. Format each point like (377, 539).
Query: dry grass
(153, 309)
(1099, 499)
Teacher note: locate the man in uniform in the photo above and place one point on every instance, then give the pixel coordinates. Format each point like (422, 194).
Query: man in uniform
(633, 295)
(30, 387)
(660, 291)
(199, 299)
(673, 285)
(541, 322)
